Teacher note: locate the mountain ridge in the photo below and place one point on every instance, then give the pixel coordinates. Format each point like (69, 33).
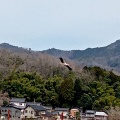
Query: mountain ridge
(107, 57)
(86, 52)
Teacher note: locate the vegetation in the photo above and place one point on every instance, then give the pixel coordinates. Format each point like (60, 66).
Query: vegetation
(107, 57)
(114, 113)
(99, 92)
(33, 75)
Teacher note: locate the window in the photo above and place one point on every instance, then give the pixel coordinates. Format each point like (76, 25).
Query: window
(20, 103)
(31, 112)
(25, 111)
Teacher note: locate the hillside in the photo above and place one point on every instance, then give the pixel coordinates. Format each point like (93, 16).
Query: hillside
(13, 58)
(36, 75)
(107, 57)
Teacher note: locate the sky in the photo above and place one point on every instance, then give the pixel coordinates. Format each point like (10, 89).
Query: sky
(60, 24)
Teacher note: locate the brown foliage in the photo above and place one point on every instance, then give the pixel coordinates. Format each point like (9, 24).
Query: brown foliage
(30, 61)
(114, 113)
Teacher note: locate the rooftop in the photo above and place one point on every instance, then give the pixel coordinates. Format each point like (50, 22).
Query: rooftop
(90, 111)
(17, 100)
(38, 107)
(61, 109)
(101, 114)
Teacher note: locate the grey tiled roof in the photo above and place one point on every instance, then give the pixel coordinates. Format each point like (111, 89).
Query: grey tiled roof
(48, 107)
(17, 100)
(38, 107)
(20, 107)
(61, 109)
(10, 106)
(89, 111)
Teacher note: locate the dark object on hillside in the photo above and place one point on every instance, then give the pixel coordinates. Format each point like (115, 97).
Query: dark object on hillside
(65, 64)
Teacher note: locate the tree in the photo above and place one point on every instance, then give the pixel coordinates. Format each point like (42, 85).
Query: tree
(5, 102)
(67, 90)
(78, 91)
(85, 101)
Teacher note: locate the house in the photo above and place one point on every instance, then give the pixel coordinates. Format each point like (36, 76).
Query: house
(61, 112)
(90, 113)
(11, 112)
(19, 109)
(73, 112)
(17, 112)
(47, 116)
(28, 112)
(101, 116)
(17, 102)
(14, 109)
(48, 108)
(39, 110)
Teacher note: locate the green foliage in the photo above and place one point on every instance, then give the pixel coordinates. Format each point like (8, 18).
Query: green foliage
(68, 90)
(5, 103)
(85, 101)
(78, 88)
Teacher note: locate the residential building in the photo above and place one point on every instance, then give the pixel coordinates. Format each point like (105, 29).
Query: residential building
(90, 113)
(28, 112)
(73, 112)
(61, 112)
(48, 108)
(39, 110)
(18, 102)
(11, 112)
(101, 116)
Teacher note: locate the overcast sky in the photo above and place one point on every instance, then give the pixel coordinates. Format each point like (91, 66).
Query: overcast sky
(60, 24)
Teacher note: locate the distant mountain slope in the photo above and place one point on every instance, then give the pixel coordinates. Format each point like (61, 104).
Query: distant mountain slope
(7, 46)
(107, 57)
(14, 58)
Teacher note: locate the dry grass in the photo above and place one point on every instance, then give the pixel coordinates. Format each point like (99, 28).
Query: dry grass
(114, 113)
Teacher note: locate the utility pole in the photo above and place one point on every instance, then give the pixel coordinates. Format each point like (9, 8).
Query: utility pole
(8, 114)
(34, 100)
(80, 113)
(61, 116)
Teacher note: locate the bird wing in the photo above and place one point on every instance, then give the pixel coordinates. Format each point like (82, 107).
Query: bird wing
(68, 67)
(61, 59)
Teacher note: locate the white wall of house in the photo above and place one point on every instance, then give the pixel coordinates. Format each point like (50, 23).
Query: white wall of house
(28, 113)
(101, 118)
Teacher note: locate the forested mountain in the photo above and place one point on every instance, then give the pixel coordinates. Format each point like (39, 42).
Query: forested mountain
(14, 58)
(40, 76)
(18, 65)
(107, 57)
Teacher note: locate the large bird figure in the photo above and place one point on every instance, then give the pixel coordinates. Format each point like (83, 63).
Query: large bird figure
(65, 64)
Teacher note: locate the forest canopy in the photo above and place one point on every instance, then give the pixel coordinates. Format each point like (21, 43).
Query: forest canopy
(93, 88)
